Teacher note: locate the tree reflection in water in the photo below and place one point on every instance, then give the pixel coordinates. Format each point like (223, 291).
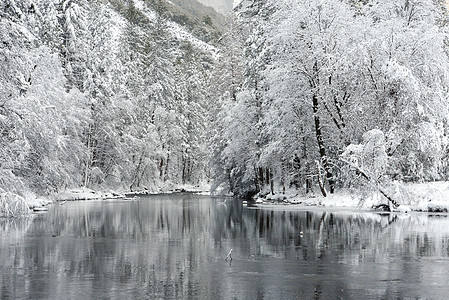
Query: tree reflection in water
(174, 247)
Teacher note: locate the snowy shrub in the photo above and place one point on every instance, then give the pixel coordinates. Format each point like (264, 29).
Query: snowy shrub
(374, 156)
(369, 157)
(13, 205)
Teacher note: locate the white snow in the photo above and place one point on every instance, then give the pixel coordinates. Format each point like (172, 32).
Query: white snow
(85, 194)
(403, 209)
(151, 15)
(424, 197)
(117, 29)
(183, 35)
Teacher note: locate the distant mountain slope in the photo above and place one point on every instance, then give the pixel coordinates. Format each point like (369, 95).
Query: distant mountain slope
(222, 6)
(201, 21)
(179, 30)
(188, 20)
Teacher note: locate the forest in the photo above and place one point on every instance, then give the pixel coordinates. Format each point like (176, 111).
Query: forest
(135, 95)
(334, 93)
(102, 94)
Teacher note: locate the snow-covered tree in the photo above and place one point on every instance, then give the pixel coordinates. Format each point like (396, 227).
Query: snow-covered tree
(42, 122)
(326, 73)
(225, 84)
(100, 94)
(407, 85)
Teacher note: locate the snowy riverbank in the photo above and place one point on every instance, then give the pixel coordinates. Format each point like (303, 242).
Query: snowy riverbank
(89, 194)
(13, 205)
(425, 197)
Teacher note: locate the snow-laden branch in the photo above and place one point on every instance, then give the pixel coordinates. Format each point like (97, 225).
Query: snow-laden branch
(365, 174)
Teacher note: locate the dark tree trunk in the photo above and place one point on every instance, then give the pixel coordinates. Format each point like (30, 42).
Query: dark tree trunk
(320, 180)
(308, 185)
(161, 168)
(183, 171)
(167, 162)
(261, 178)
(320, 141)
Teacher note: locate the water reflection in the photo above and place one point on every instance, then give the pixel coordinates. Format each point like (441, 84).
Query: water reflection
(174, 247)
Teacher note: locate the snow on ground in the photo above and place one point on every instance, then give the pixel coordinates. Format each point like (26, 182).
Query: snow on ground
(201, 189)
(421, 197)
(13, 205)
(425, 197)
(85, 194)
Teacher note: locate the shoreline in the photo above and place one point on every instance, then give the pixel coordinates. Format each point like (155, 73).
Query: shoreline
(14, 205)
(430, 197)
(419, 197)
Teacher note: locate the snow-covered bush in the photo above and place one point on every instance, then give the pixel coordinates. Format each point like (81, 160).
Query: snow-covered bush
(12, 205)
(369, 158)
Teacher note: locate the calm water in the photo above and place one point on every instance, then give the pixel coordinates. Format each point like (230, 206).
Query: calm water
(163, 247)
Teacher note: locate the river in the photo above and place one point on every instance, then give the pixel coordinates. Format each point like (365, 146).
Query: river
(174, 247)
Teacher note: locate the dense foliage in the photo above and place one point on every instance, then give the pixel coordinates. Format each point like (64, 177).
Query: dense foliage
(101, 94)
(132, 95)
(323, 78)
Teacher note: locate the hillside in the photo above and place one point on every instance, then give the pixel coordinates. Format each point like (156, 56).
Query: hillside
(221, 6)
(201, 21)
(191, 16)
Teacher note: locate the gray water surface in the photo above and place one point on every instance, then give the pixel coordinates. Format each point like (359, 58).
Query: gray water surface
(173, 247)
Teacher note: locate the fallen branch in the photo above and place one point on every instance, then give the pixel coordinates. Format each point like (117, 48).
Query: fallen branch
(368, 177)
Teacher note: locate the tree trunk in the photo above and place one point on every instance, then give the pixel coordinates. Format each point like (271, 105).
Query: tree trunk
(89, 158)
(166, 166)
(261, 178)
(320, 179)
(308, 185)
(135, 182)
(161, 168)
(320, 141)
(183, 170)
